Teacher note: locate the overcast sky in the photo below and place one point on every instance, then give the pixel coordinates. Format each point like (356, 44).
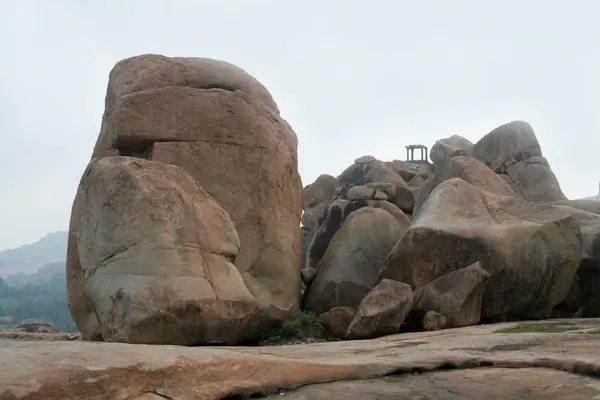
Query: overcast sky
(351, 77)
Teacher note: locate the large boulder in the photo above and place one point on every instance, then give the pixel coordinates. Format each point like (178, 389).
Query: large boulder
(469, 170)
(506, 145)
(514, 151)
(382, 311)
(223, 128)
(445, 149)
(456, 295)
(348, 270)
(532, 253)
(151, 259)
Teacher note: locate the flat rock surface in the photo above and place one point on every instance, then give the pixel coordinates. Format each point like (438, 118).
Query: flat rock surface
(555, 361)
(471, 384)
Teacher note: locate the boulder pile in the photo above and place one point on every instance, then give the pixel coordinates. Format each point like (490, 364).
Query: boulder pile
(482, 233)
(190, 225)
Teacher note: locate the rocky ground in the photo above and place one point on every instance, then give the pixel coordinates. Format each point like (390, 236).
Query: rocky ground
(527, 360)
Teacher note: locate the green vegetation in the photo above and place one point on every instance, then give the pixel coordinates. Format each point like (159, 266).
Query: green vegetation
(304, 327)
(541, 328)
(44, 301)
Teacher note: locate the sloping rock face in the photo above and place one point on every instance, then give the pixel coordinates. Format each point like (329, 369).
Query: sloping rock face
(532, 256)
(348, 270)
(151, 259)
(223, 128)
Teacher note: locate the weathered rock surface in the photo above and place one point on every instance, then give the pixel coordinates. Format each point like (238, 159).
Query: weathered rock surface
(382, 311)
(223, 128)
(456, 295)
(532, 254)
(507, 145)
(150, 259)
(83, 370)
(348, 270)
(445, 149)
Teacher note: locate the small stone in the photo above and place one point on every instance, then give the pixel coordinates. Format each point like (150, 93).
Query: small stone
(433, 321)
(337, 320)
(382, 311)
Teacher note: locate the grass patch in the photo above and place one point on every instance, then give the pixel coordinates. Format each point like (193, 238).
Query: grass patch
(303, 327)
(541, 328)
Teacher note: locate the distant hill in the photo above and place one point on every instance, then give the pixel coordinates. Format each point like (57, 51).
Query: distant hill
(33, 283)
(44, 274)
(29, 258)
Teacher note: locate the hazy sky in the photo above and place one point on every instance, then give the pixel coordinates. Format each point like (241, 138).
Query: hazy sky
(351, 77)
